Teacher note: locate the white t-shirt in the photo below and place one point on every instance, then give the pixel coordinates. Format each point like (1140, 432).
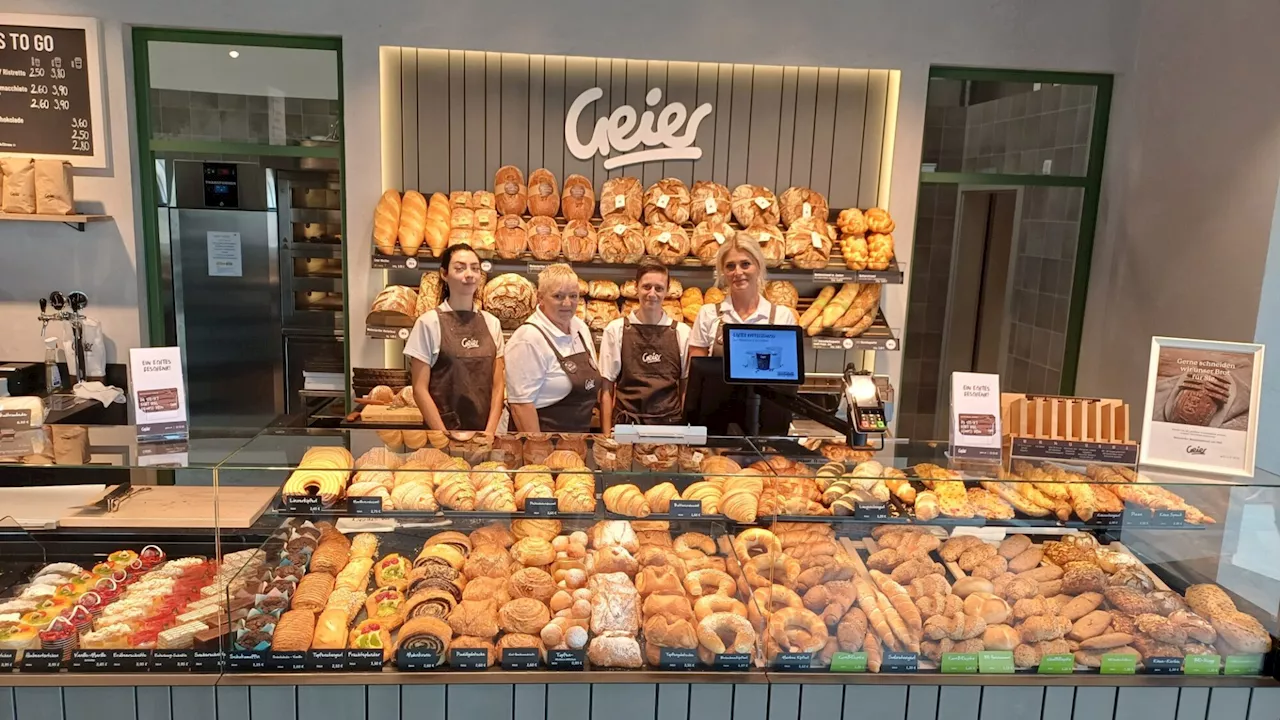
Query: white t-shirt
(534, 374)
(424, 340)
(707, 325)
(611, 346)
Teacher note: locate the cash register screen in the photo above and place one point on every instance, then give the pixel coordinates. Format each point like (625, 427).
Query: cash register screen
(763, 354)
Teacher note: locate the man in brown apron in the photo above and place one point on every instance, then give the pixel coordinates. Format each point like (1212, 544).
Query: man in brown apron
(647, 390)
(572, 413)
(462, 378)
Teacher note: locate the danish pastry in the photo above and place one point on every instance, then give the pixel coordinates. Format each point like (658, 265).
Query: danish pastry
(426, 633)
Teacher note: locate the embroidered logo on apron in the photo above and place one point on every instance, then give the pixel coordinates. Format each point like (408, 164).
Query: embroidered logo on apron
(571, 367)
(652, 358)
(470, 343)
(591, 385)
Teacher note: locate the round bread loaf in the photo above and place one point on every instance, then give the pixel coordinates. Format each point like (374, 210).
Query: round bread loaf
(808, 243)
(666, 201)
(666, 242)
(707, 238)
(620, 239)
(755, 204)
(510, 238)
(578, 241)
(707, 200)
(622, 195)
(544, 199)
(782, 292)
(511, 298)
(544, 237)
(579, 199)
(510, 192)
(797, 203)
(771, 243)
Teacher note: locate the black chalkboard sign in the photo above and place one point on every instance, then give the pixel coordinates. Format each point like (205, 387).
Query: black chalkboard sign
(46, 107)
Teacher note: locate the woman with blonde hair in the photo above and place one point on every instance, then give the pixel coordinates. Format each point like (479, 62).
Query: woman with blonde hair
(553, 382)
(740, 271)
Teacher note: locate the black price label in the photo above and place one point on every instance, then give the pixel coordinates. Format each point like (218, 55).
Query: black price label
(287, 661)
(1107, 519)
(47, 110)
(469, 659)
(1136, 517)
(900, 662)
(206, 660)
(536, 267)
(8, 658)
(732, 661)
(252, 661)
(831, 277)
(566, 659)
(677, 659)
(1169, 518)
(1163, 665)
(793, 661)
(41, 661)
(172, 660)
(871, 511)
(364, 660)
(365, 505)
(416, 660)
(89, 661)
(520, 658)
(327, 660)
(685, 509)
(129, 660)
(303, 503)
(542, 507)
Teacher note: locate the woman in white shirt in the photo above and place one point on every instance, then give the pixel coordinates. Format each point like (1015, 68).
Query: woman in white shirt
(642, 359)
(741, 272)
(553, 383)
(456, 353)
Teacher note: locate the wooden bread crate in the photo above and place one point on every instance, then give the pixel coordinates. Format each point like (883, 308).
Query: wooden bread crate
(1053, 417)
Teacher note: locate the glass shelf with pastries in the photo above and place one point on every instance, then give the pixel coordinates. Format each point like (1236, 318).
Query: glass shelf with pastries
(853, 579)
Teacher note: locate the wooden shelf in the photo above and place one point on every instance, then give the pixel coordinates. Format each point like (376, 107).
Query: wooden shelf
(76, 222)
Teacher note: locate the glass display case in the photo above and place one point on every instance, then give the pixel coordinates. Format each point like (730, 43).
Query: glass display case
(742, 558)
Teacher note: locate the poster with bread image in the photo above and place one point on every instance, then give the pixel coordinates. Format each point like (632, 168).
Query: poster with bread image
(1202, 405)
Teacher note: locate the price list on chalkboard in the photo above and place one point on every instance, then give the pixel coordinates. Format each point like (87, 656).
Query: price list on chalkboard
(45, 104)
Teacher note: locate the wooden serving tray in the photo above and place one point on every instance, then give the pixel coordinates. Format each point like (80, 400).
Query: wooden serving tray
(170, 506)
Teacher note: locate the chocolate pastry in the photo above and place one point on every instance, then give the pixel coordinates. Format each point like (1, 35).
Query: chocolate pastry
(258, 622)
(273, 603)
(289, 571)
(285, 585)
(253, 638)
(300, 543)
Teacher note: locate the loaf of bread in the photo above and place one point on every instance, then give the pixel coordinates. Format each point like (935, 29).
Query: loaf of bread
(578, 241)
(707, 238)
(396, 299)
(782, 292)
(771, 242)
(666, 201)
(754, 204)
(543, 198)
(511, 238)
(798, 203)
(509, 190)
(808, 243)
(511, 298)
(666, 242)
(386, 222)
(579, 199)
(603, 290)
(601, 313)
(622, 196)
(708, 200)
(544, 237)
(620, 239)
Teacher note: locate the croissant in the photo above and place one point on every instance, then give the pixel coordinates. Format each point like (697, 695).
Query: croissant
(659, 497)
(740, 506)
(457, 494)
(414, 496)
(626, 500)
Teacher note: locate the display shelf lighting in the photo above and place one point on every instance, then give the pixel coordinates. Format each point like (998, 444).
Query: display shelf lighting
(234, 54)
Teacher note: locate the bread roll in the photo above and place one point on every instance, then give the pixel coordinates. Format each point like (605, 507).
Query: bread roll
(666, 242)
(579, 199)
(460, 199)
(511, 238)
(620, 239)
(709, 200)
(510, 192)
(623, 196)
(666, 201)
(543, 198)
(484, 242)
(578, 240)
(482, 200)
(386, 222)
(544, 237)
(462, 218)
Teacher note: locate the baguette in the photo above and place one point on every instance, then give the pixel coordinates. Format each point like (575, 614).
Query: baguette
(386, 222)
(861, 326)
(867, 299)
(413, 222)
(820, 302)
(839, 305)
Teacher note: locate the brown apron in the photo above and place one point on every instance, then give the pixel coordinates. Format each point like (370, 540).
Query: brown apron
(573, 412)
(462, 379)
(717, 347)
(648, 388)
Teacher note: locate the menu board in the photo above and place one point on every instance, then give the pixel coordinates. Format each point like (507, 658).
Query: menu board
(50, 94)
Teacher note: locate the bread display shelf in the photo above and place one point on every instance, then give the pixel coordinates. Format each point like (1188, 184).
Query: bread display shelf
(527, 263)
(74, 221)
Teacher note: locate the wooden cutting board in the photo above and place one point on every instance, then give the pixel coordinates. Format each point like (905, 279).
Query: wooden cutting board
(171, 506)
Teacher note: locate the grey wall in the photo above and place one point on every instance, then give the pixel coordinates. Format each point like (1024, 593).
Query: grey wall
(1194, 163)
(462, 115)
(191, 115)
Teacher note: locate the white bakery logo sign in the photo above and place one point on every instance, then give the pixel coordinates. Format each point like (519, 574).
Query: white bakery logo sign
(471, 343)
(652, 357)
(623, 132)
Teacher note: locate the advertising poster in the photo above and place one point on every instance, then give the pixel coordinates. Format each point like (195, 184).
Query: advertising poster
(1202, 405)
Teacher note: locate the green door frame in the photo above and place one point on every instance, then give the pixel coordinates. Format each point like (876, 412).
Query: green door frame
(148, 145)
(1091, 182)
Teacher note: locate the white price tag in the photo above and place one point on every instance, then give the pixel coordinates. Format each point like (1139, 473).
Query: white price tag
(663, 201)
(764, 238)
(620, 229)
(665, 238)
(806, 210)
(619, 201)
(719, 238)
(817, 240)
(711, 205)
(762, 203)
